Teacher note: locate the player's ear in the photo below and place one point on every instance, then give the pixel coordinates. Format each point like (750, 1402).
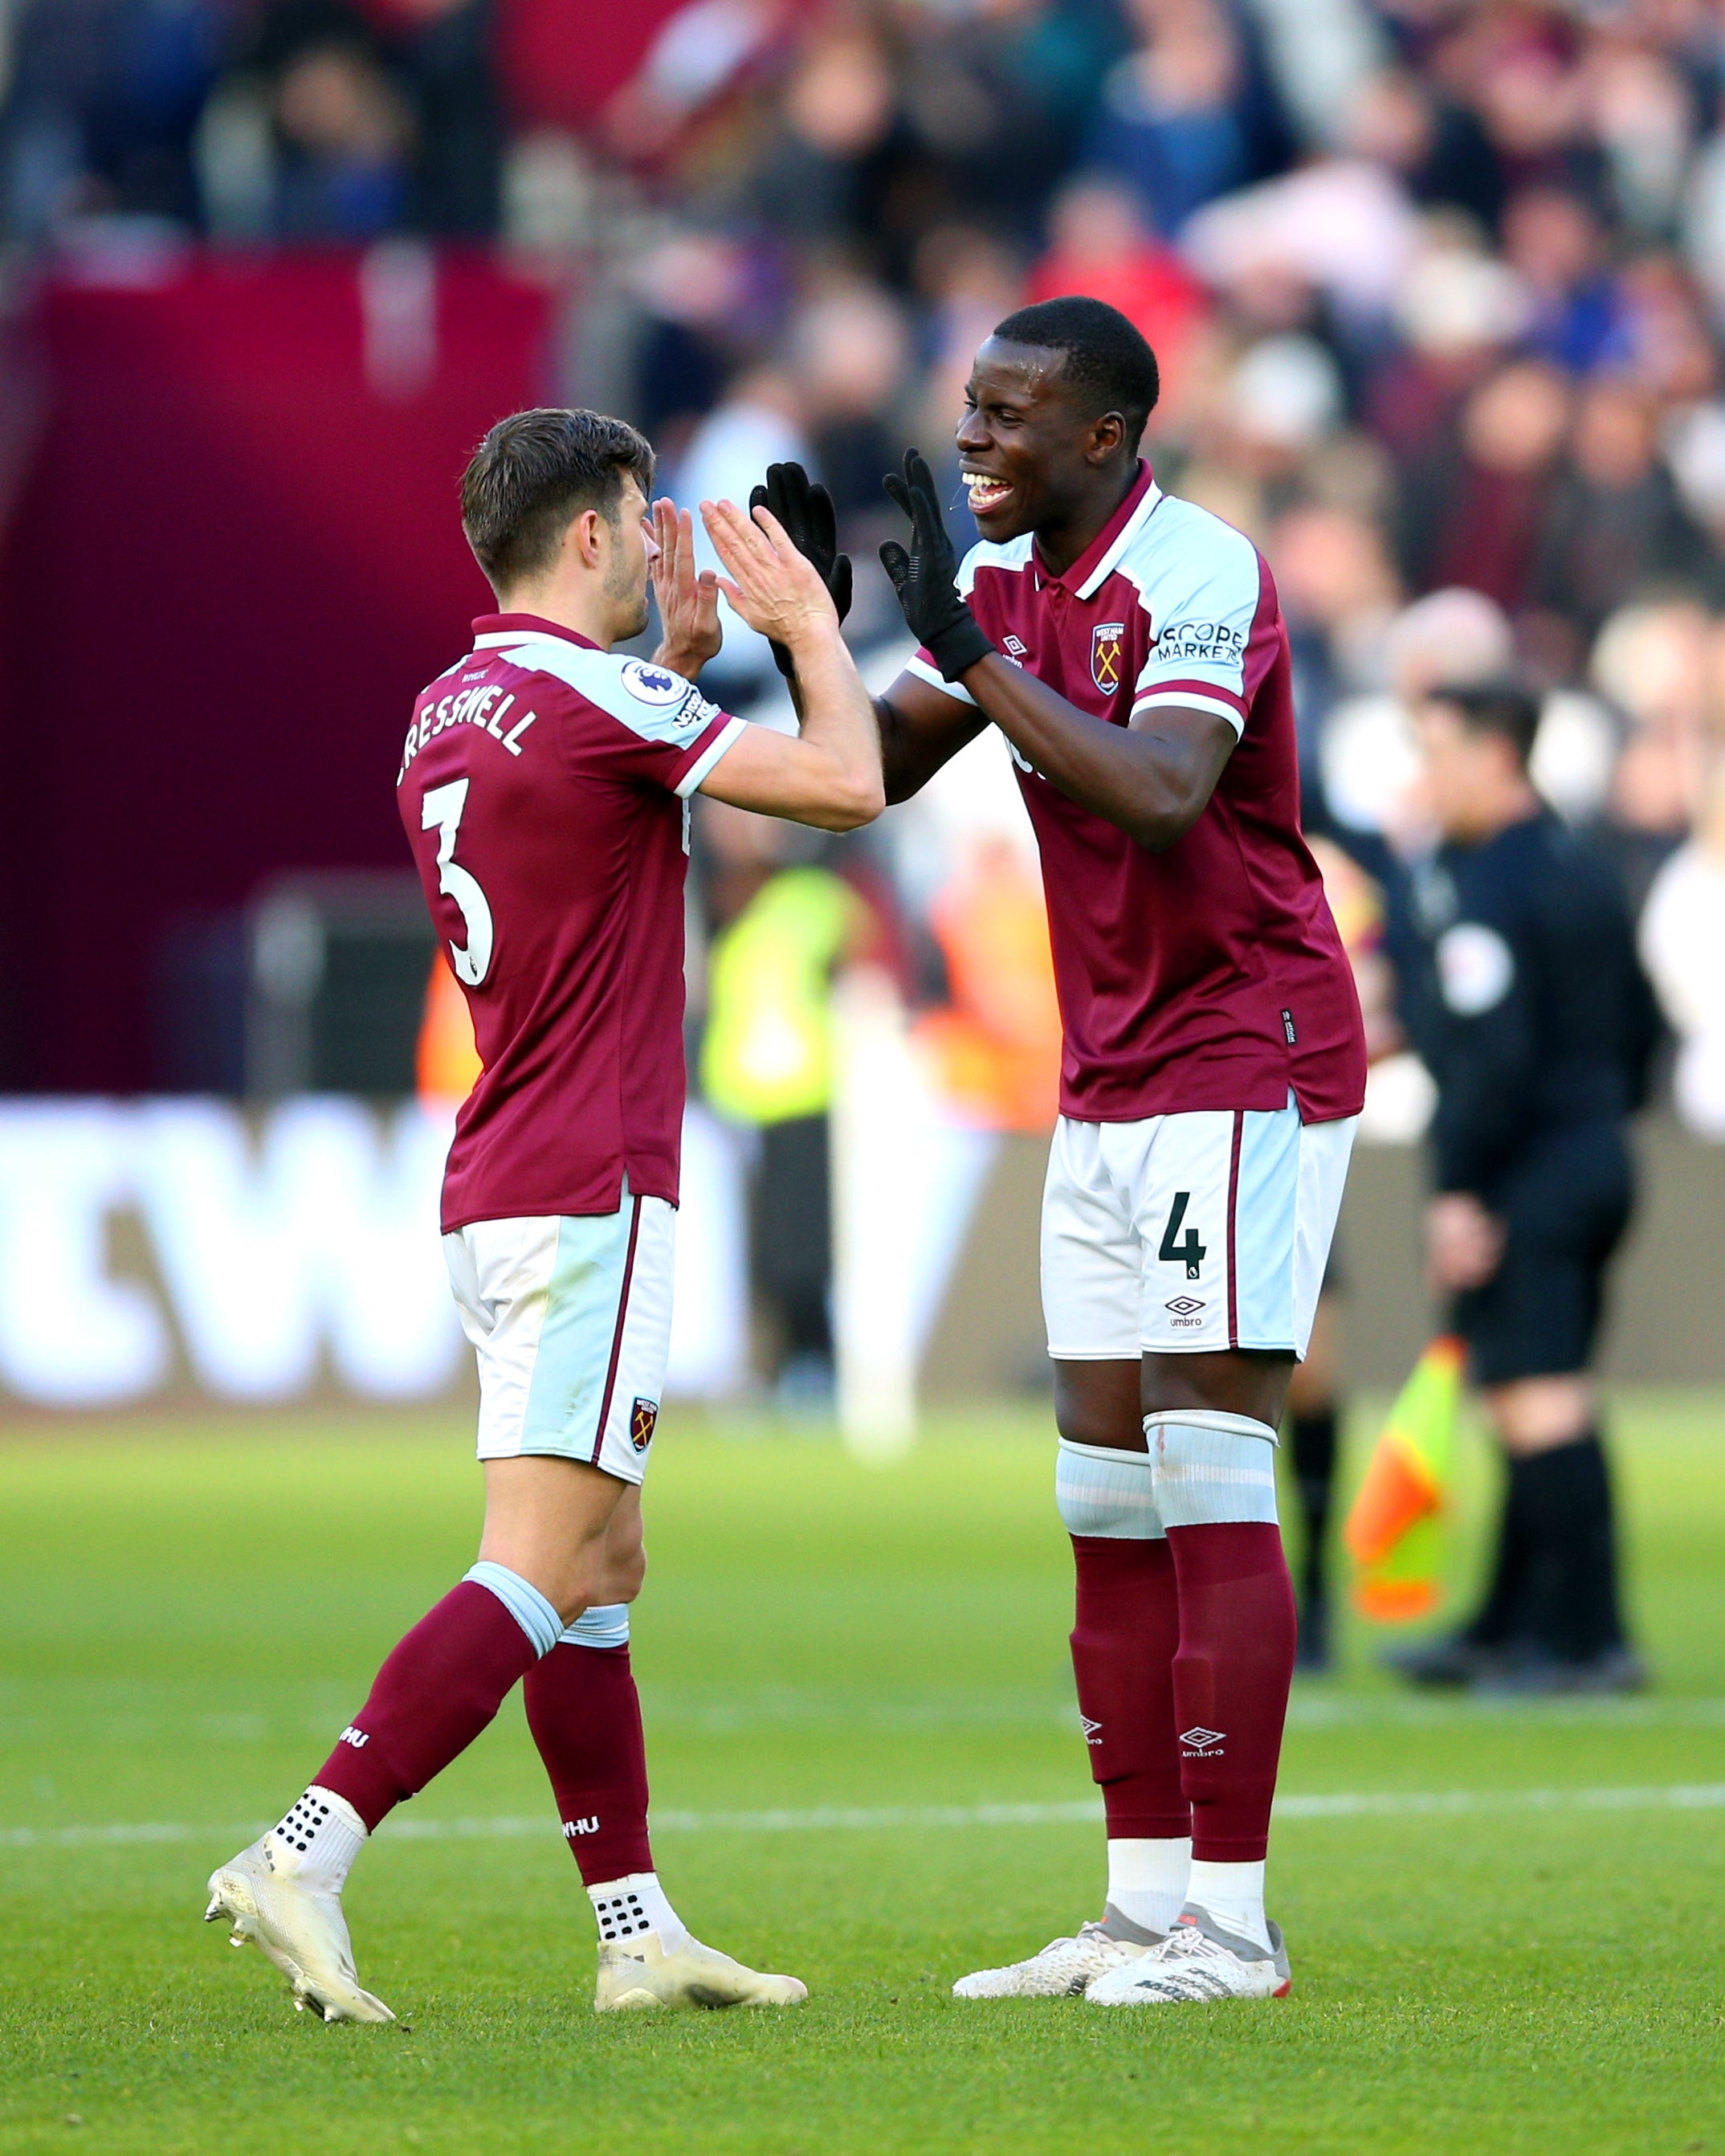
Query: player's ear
(1107, 435)
(584, 539)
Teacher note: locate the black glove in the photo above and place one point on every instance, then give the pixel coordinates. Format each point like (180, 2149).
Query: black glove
(806, 513)
(926, 578)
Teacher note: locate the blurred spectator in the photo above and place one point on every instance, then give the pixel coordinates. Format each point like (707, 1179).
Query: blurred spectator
(1657, 664)
(1614, 524)
(1455, 310)
(1682, 943)
(1368, 756)
(443, 54)
(822, 172)
(1099, 243)
(1553, 241)
(343, 135)
(1474, 512)
(1438, 147)
(850, 350)
(1343, 226)
(1168, 121)
(1338, 591)
(991, 101)
(102, 107)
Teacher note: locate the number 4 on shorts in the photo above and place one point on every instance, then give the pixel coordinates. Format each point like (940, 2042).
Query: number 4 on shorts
(1191, 1250)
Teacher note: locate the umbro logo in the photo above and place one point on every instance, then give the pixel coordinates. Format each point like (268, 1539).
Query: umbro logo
(356, 1737)
(1184, 1306)
(1201, 1740)
(1012, 645)
(1092, 1729)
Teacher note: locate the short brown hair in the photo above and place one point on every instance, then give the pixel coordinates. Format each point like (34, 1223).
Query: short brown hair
(533, 475)
(1504, 708)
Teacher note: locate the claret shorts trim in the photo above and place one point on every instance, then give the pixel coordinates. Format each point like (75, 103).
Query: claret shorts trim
(1188, 1233)
(571, 1318)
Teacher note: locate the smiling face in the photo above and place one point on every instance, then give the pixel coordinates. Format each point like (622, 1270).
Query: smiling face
(1033, 458)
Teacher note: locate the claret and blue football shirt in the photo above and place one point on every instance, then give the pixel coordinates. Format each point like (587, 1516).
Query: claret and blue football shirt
(1210, 975)
(544, 785)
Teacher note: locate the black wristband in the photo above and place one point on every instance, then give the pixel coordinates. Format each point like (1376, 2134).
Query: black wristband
(957, 648)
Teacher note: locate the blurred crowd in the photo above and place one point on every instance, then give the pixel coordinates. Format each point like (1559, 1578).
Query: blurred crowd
(1437, 286)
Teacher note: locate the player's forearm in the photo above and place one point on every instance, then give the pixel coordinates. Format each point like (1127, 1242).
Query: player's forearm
(1153, 788)
(839, 721)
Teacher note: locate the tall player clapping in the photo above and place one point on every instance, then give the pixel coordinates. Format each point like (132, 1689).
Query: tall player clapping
(1130, 648)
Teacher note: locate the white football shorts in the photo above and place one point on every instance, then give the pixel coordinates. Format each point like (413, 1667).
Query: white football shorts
(571, 1318)
(1188, 1233)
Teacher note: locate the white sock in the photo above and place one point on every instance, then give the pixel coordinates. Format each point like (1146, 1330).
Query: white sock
(1147, 1881)
(1232, 1895)
(626, 1908)
(320, 1838)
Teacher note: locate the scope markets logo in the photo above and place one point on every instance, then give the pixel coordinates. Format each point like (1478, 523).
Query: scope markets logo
(1212, 643)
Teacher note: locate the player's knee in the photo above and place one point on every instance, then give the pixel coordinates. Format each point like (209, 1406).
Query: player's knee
(1083, 1419)
(626, 1574)
(1105, 1493)
(1208, 1469)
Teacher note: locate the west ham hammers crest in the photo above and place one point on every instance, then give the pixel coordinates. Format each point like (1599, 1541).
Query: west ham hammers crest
(1106, 655)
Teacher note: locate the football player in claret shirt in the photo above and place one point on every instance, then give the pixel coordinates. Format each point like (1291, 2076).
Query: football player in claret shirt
(1130, 648)
(544, 784)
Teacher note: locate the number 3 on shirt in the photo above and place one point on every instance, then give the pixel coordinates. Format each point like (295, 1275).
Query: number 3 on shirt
(441, 811)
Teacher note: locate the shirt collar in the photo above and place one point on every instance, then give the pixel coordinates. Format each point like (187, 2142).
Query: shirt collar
(492, 629)
(1086, 574)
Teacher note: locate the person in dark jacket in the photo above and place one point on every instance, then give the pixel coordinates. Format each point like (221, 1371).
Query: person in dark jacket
(1517, 980)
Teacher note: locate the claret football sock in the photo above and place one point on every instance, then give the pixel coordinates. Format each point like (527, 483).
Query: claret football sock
(1231, 1677)
(1232, 1895)
(1149, 1880)
(439, 1688)
(585, 1714)
(630, 1908)
(1126, 1629)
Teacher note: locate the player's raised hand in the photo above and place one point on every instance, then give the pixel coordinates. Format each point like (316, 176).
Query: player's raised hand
(776, 589)
(926, 577)
(805, 512)
(688, 600)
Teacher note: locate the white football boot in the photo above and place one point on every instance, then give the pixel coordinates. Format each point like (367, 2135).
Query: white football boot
(1065, 1969)
(297, 1924)
(1198, 1962)
(644, 1973)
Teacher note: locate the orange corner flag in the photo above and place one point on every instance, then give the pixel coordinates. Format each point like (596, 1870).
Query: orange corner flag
(1394, 1532)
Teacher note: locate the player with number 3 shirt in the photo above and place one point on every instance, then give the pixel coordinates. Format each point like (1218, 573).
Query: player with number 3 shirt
(544, 787)
(1130, 648)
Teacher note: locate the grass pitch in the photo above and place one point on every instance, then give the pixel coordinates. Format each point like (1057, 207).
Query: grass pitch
(1508, 1926)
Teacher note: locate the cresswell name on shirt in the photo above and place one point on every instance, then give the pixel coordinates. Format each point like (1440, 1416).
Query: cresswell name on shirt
(488, 706)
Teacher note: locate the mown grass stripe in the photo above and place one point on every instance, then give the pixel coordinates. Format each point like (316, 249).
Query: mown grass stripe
(1384, 1803)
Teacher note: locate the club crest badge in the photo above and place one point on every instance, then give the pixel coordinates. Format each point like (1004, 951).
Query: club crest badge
(642, 1423)
(1107, 655)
